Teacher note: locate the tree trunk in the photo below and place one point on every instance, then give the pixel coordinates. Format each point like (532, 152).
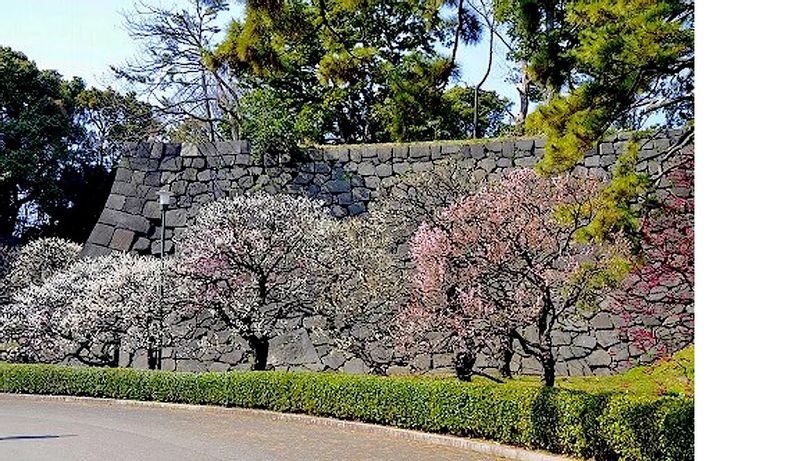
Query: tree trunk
(464, 362)
(508, 354)
(9, 211)
(522, 89)
(549, 369)
(115, 354)
(260, 349)
(153, 358)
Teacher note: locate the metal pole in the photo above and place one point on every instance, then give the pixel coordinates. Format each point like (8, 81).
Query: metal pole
(161, 287)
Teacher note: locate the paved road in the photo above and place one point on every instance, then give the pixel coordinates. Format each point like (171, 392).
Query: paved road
(87, 430)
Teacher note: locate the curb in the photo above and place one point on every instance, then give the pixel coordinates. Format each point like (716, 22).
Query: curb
(485, 447)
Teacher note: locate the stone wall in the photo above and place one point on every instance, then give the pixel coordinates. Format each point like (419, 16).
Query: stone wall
(347, 179)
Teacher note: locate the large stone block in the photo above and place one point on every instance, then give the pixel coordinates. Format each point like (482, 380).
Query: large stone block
(400, 152)
(422, 166)
(176, 218)
(172, 164)
(336, 186)
(402, 167)
(293, 348)
(334, 360)
(115, 202)
(366, 169)
(336, 154)
(450, 148)
(599, 358)
(122, 240)
(477, 151)
(418, 152)
(101, 234)
(123, 175)
(355, 366)
(523, 146)
(124, 220)
(602, 321)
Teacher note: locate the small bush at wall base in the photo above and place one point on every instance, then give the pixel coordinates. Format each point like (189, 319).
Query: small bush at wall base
(577, 423)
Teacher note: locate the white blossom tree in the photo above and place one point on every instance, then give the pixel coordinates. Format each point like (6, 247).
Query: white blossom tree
(247, 260)
(97, 311)
(41, 258)
(358, 281)
(262, 262)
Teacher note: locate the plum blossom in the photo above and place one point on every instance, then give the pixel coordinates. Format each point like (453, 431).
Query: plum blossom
(500, 260)
(98, 311)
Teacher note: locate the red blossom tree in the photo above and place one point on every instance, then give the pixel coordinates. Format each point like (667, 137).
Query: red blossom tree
(654, 299)
(503, 259)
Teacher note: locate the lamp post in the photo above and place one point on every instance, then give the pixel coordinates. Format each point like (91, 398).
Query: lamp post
(164, 200)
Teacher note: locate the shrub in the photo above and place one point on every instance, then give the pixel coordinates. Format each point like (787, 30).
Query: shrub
(267, 121)
(559, 420)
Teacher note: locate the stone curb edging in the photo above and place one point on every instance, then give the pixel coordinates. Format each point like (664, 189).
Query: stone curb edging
(489, 448)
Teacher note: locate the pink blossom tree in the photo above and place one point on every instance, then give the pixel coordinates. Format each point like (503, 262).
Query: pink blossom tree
(503, 259)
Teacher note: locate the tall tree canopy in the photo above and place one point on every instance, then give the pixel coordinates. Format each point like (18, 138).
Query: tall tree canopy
(353, 71)
(603, 64)
(36, 129)
(58, 141)
(594, 66)
(173, 71)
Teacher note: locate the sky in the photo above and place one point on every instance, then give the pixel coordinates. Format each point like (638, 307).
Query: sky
(84, 37)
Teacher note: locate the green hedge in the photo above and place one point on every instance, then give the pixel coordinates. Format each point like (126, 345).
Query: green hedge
(577, 423)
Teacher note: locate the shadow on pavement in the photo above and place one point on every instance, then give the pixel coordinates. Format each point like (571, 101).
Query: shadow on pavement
(35, 437)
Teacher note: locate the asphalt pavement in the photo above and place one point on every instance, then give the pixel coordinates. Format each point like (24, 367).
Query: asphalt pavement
(98, 430)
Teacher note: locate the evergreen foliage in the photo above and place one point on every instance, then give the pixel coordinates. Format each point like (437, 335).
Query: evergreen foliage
(585, 424)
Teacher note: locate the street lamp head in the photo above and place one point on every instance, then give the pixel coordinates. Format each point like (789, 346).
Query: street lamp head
(164, 198)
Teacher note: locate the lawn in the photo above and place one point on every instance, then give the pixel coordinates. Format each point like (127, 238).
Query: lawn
(670, 376)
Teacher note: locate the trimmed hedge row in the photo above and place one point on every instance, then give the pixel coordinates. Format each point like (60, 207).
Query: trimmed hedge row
(604, 426)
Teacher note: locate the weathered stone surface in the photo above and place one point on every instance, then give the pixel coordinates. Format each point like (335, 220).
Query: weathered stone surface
(347, 179)
(599, 357)
(422, 166)
(176, 218)
(122, 240)
(115, 202)
(585, 341)
(356, 209)
(337, 186)
(141, 244)
(121, 220)
(602, 321)
(294, 348)
(355, 366)
(366, 169)
(400, 168)
(607, 338)
(361, 193)
(101, 235)
(334, 360)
